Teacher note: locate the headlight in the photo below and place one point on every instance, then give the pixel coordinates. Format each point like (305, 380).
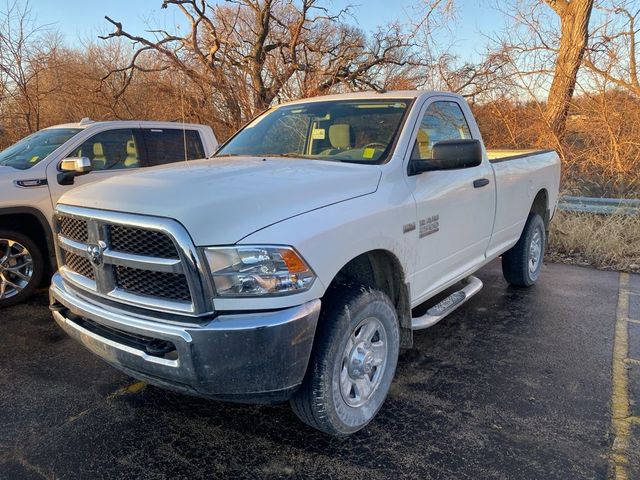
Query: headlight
(258, 270)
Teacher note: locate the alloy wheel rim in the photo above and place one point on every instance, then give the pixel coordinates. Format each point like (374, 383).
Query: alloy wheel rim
(535, 251)
(16, 268)
(363, 362)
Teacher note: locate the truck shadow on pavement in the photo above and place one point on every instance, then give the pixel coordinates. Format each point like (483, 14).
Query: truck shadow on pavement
(516, 384)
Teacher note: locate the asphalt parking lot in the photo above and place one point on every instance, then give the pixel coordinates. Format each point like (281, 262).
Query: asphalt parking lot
(518, 384)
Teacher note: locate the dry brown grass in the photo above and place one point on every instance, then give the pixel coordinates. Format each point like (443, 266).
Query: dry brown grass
(609, 242)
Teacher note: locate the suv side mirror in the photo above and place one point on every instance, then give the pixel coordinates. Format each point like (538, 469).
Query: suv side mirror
(72, 167)
(449, 155)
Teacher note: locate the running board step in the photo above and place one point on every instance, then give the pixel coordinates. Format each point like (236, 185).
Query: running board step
(472, 285)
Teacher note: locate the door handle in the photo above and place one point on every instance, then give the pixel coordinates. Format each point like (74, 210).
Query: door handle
(481, 182)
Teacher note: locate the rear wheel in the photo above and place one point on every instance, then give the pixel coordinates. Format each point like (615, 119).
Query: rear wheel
(353, 363)
(522, 263)
(21, 267)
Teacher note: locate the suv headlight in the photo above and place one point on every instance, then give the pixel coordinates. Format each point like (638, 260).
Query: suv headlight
(250, 270)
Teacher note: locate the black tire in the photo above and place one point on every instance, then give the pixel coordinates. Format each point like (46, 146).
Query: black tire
(349, 314)
(522, 263)
(36, 273)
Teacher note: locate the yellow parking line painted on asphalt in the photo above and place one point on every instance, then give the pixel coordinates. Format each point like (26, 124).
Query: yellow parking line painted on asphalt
(633, 321)
(633, 361)
(620, 422)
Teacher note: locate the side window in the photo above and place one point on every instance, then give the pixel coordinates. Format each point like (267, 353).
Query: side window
(168, 145)
(441, 121)
(111, 150)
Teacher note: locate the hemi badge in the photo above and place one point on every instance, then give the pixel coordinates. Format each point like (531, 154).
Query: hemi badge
(408, 227)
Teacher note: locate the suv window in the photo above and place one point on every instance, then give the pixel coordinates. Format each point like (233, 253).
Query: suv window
(112, 150)
(442, 121)
(36, 147)
(169, 145)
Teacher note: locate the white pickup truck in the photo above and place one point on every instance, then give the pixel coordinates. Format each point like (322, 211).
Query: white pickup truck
(35, 171)
(287, 266)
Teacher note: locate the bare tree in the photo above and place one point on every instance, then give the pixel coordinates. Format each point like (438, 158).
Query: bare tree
(439, 68)
(613, 53)
(574, 35)
(25, 56)
(245, 54)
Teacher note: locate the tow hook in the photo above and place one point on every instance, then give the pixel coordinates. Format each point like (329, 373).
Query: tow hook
(159, 348)
(58, 307)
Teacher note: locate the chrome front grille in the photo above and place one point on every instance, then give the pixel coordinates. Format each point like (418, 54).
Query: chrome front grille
(142, 261)
(80, 265)
(74, 228)
(141, 242)
(154, 284)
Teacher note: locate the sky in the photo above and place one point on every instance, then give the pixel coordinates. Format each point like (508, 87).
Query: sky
(80, 20)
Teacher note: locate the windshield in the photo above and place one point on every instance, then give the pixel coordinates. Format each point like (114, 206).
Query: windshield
(361, 131)
(34, 148)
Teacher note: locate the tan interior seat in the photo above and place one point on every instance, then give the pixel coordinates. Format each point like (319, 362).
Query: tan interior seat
(132, 155)
(340, 136)
(422, 149)
(98, 160)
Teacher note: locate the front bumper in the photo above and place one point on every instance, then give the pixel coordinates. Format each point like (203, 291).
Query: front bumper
(252, 357)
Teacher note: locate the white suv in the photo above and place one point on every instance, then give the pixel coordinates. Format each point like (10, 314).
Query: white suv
(38, 169)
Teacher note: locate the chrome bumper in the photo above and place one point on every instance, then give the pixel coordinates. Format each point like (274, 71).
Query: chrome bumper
(244, 357)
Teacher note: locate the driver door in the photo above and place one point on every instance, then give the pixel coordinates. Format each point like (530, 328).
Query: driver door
(455, 208)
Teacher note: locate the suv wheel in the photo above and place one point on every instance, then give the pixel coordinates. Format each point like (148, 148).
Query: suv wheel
(353, 363)
(21, 267)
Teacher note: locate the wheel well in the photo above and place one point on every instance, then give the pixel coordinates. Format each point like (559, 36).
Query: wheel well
(28, 224)
(541, 206)
(381, 270)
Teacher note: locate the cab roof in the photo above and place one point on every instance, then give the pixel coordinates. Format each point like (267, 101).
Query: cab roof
(373, 95)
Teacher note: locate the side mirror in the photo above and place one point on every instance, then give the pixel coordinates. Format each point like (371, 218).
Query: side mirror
(72, 167)
(78, 165)
(449, 155)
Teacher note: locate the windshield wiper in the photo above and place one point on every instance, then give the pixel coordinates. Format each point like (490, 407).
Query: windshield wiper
(262, 155)
(329, 159)
(355, 160)
(290, 155)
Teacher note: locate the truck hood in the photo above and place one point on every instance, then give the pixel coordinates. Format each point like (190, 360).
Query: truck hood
(222, 200)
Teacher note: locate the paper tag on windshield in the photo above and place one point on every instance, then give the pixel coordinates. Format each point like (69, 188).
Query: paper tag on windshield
(317, 134)
(368, 153)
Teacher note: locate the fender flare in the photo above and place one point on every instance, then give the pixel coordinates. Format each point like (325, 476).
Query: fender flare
(44, 223)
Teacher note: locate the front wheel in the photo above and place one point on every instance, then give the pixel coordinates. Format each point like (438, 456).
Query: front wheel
(353, 363)
(21, 267)
(522, 263)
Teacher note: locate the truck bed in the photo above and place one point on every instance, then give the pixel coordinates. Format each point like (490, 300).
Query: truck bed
(502, 155)
(519, 176)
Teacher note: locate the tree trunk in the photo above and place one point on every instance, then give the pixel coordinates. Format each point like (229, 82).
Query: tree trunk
(574, 35)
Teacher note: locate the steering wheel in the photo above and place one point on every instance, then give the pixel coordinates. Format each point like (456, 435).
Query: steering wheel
(375, 144)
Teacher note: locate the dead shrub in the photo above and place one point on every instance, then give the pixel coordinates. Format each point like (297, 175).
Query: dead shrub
(609, 242)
